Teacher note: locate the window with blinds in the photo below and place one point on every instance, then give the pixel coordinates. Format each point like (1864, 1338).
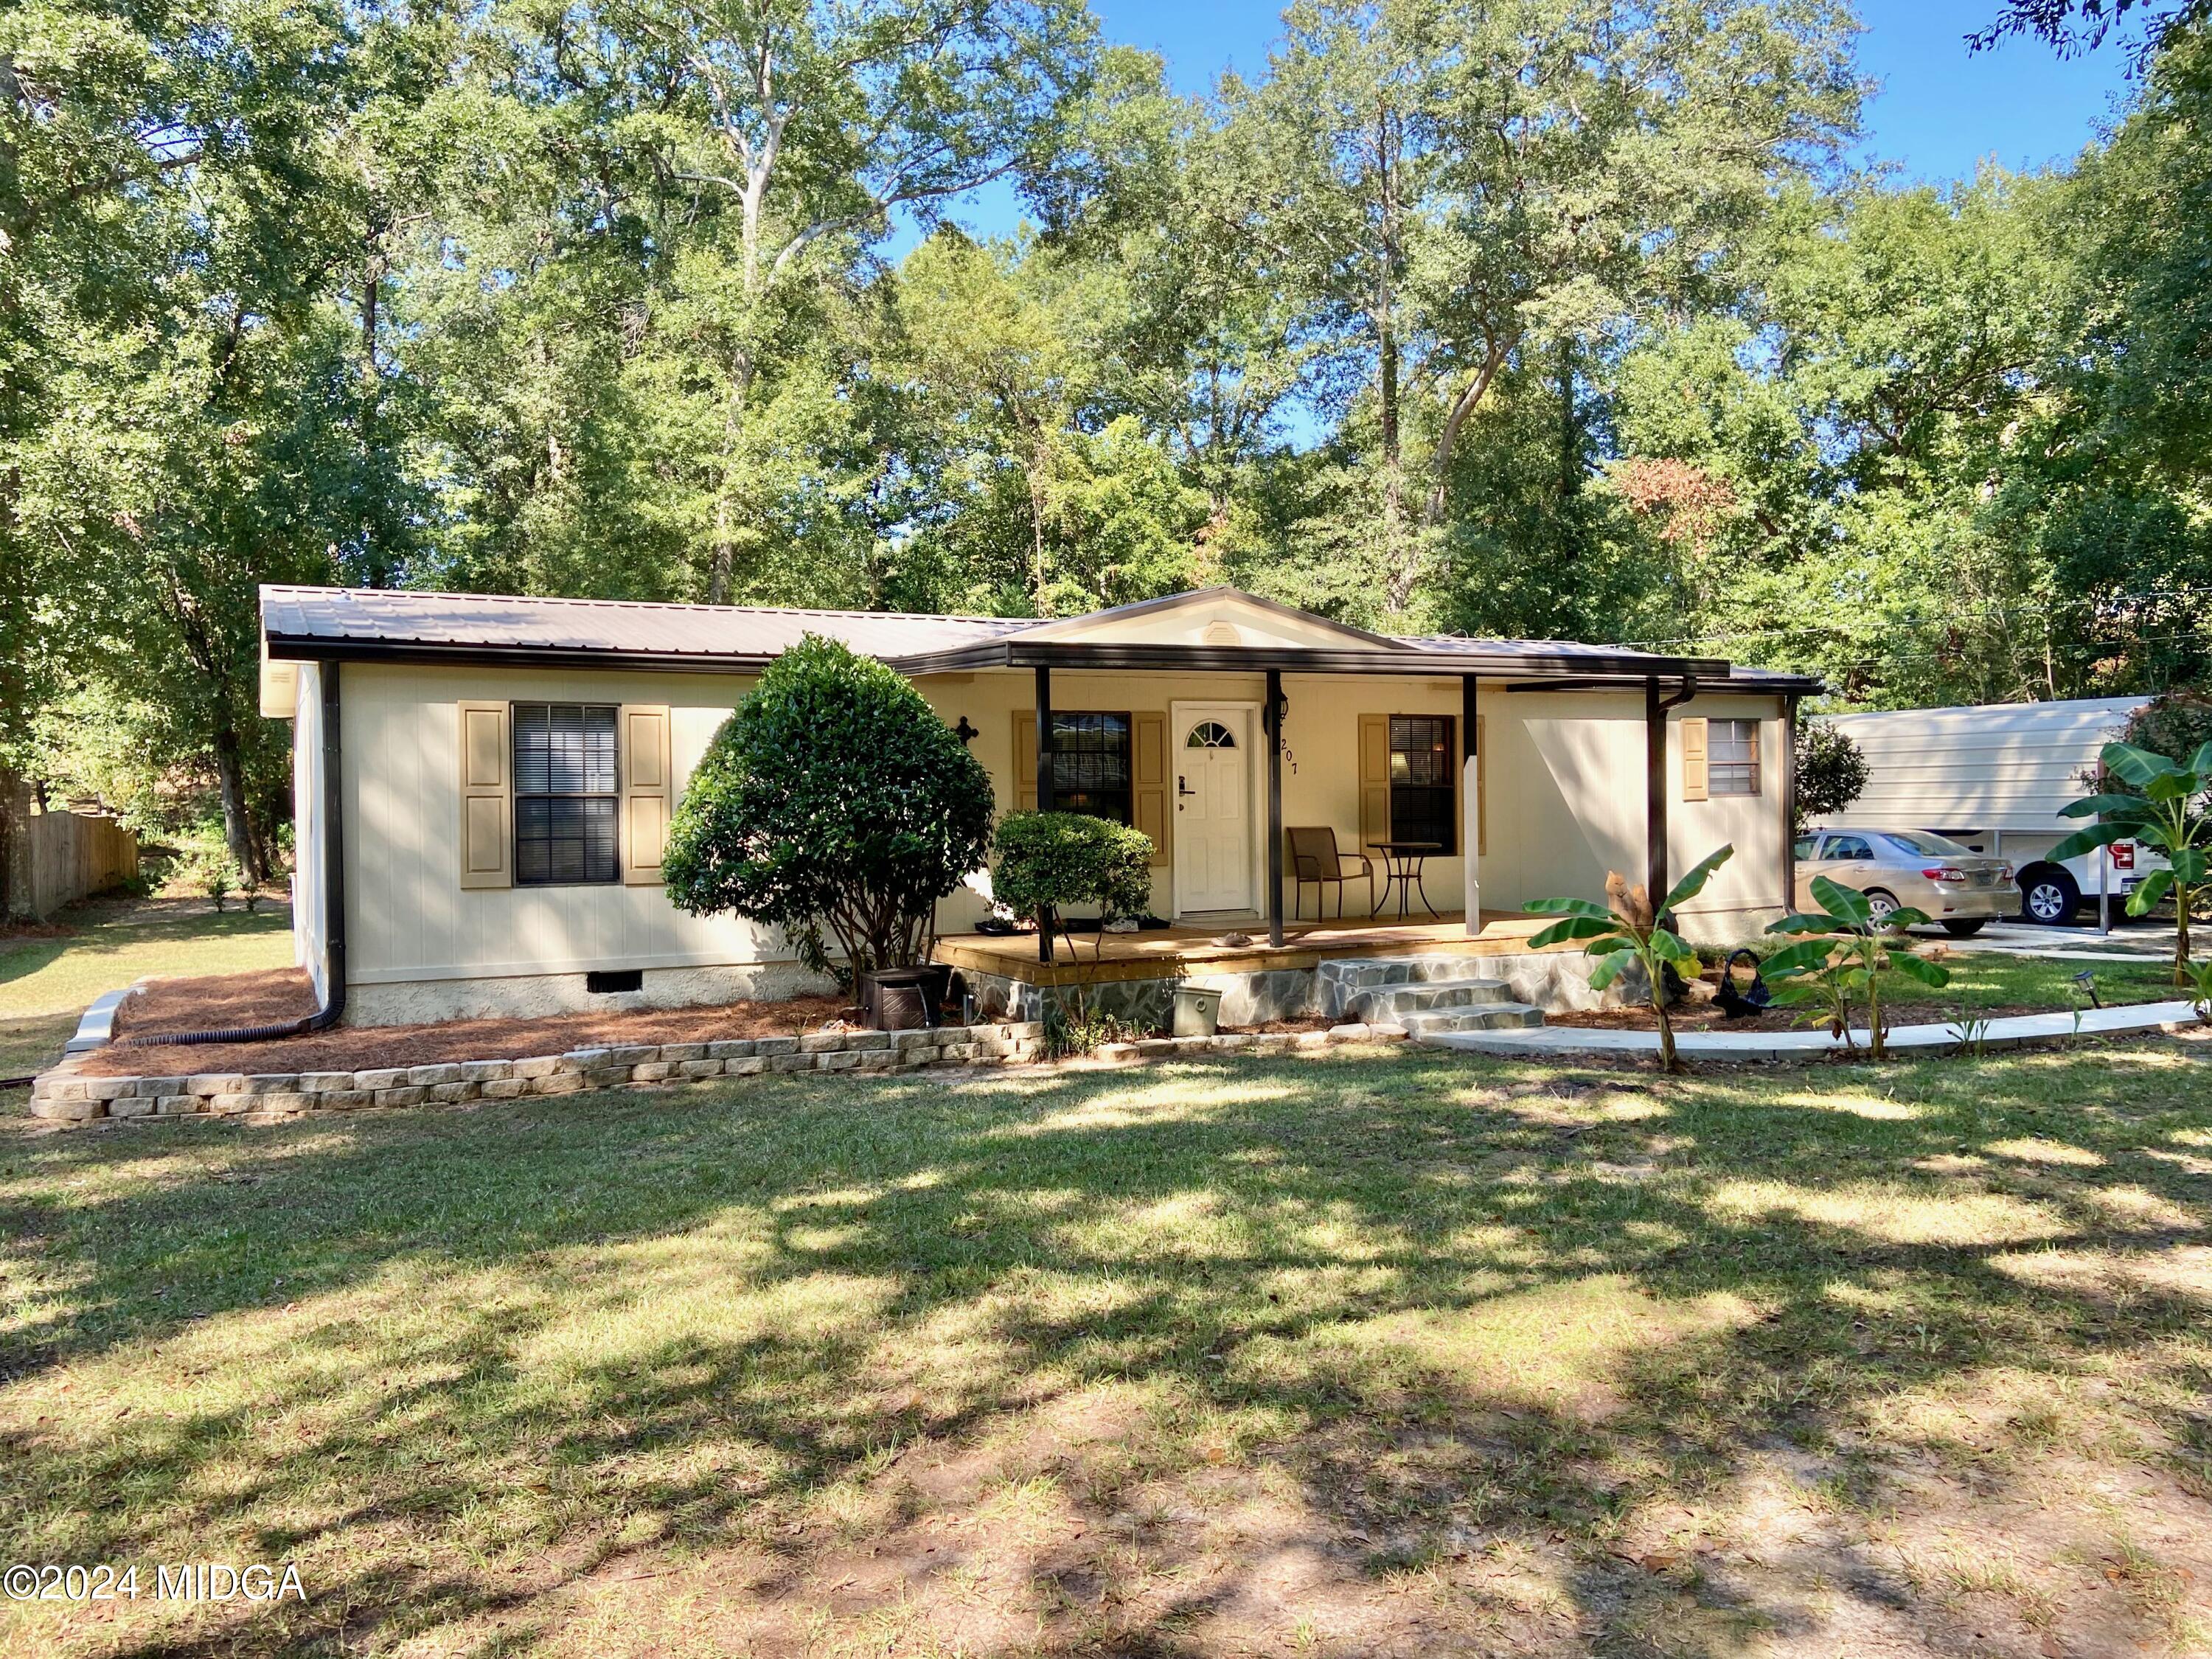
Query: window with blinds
(566, 794)
(1091, 764)
(1422, 807)
(1732, 759)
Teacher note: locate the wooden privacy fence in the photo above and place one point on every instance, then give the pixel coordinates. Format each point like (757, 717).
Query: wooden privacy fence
(55, 857)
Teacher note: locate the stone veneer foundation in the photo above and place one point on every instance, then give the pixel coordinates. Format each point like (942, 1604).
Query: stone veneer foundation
(1557, 981)
(65, 1095)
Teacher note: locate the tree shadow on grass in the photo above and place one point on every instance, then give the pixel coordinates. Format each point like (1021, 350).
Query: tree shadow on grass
(104, 928)
(460, 1363)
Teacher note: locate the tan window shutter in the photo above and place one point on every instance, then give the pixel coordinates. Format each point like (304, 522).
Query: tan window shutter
(486, 802)
(1696, 755)
(647, 791)
(1148, 766)
(1025, 760)
(1482, 785)
(1374, 779)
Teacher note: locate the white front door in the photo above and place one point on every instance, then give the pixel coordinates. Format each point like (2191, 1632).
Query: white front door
(1213, 762)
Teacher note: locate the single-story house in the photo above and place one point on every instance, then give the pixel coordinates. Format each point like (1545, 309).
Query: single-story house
(482, 783)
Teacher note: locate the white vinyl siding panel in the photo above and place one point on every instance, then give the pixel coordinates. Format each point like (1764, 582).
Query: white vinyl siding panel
(2009, 767)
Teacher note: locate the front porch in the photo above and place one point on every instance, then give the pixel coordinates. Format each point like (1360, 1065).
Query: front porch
(1265, 754)
(1184, 951)
(1335, 970)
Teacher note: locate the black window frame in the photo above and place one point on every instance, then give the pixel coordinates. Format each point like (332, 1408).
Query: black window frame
(1090, 753)
(592, 815)
(1426, 808)
(1741, 775)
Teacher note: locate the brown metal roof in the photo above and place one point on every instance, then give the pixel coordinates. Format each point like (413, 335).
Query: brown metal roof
(395, 622)
(402, 625)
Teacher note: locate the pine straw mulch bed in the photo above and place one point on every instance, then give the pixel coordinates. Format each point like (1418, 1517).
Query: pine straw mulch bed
(220, 1001)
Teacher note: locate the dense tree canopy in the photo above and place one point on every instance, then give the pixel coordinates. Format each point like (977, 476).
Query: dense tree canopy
(1543, 317)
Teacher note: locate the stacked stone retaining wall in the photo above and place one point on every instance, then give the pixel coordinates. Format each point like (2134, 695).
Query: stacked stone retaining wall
(67, 1095)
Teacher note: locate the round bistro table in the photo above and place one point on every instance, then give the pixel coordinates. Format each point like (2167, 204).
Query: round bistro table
(1402, 863)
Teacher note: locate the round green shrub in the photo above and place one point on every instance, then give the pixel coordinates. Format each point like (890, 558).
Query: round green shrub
(1049, 860)
(1831, 772)
(832, 797)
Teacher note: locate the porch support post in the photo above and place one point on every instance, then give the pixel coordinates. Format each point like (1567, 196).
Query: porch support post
(1788, 804)
(1470, 807)
(1655, 793)
(1271, 722)
(1044, 786)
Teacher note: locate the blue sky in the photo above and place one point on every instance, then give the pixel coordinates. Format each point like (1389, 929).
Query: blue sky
(1939, 111)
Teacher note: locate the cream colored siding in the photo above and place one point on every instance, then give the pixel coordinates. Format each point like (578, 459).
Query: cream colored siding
(1564, 775)
(1323, 734)
(1566, 793)
(1230, 619)
(990, 699)
(408, 918)
(1750, 884)
(1321, 775)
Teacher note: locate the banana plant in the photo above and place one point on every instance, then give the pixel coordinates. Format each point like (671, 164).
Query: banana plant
(1846, 957)
(1627, 929)
(2171, 815)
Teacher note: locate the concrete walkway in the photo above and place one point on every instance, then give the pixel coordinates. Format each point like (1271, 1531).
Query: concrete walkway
(2143, 941)
(1748, 1045)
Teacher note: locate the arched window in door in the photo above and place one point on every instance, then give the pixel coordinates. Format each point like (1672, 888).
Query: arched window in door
(1210, 734)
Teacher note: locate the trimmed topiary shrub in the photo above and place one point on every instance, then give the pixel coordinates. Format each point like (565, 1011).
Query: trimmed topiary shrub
(1050, 860)
(834, 798)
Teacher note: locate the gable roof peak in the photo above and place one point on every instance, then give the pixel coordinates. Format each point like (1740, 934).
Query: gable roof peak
(1192, 598)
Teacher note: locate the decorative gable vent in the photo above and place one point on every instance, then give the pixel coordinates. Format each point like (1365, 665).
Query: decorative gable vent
(1222, 633)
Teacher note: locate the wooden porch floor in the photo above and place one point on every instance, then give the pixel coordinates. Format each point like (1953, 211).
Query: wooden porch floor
(1168, 953)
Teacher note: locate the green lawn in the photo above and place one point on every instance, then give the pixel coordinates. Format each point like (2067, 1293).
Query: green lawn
(46, 980)
(1982, 979)
(1355, 1354)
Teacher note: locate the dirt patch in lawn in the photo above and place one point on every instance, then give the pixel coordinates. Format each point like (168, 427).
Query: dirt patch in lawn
(222, 1000)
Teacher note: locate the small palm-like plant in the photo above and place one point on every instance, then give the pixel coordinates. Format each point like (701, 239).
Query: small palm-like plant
(2199, 981)
(2171, 815)
(1627, 929)
(1845, 958)
(1824, 982)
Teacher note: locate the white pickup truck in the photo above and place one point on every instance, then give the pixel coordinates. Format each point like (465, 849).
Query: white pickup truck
(1993, 778)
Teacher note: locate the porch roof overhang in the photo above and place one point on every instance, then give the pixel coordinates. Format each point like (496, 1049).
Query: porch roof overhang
(1627, 668)
(339, 625)
(1519, 673)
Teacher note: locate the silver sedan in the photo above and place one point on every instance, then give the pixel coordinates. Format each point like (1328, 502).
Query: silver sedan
(1898, 869)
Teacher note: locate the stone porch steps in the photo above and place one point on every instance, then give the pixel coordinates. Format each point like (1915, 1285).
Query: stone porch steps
(1485, 1017)
(1426, 994)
